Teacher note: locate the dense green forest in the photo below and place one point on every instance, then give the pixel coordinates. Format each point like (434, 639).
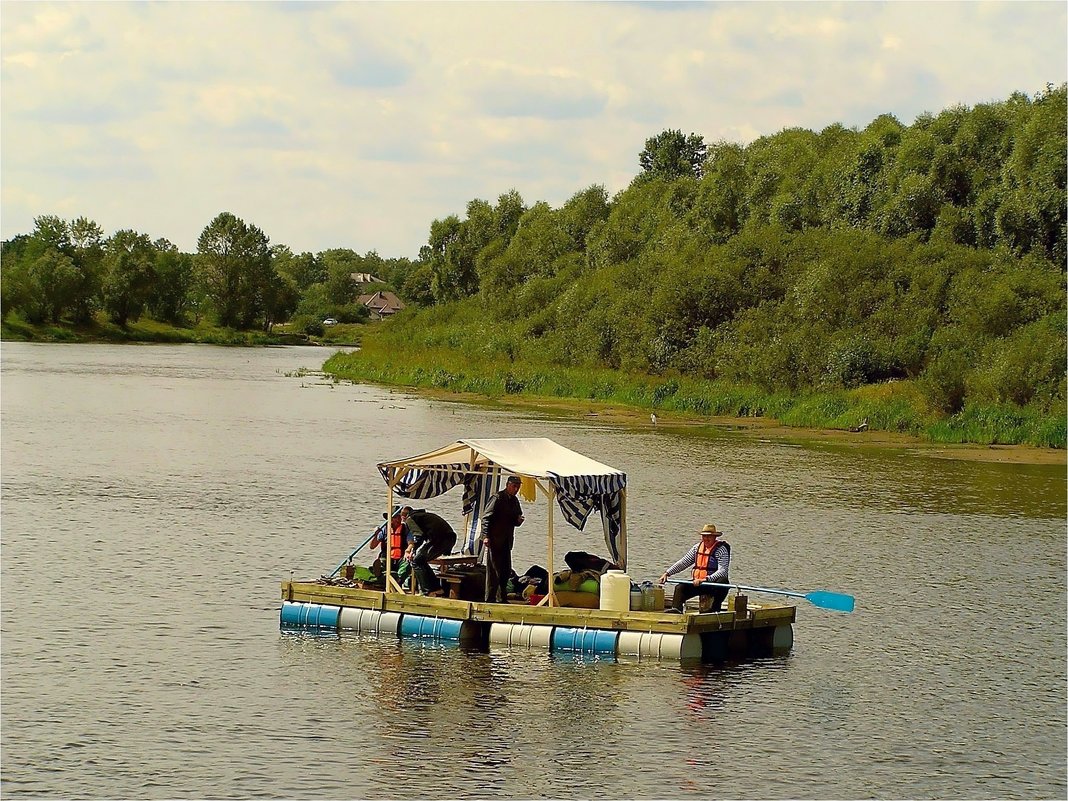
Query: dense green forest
(911, 274)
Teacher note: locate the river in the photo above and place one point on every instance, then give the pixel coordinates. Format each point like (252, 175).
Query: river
(154, 496)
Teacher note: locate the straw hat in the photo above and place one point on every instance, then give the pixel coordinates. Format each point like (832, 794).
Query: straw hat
(711, 529)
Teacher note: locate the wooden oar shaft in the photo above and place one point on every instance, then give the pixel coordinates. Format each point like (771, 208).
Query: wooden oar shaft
(823, 598)
(739, 587)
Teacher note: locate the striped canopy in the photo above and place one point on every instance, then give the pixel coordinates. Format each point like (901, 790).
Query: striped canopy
(579, 483)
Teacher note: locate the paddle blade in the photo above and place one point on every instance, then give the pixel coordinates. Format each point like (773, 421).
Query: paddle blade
(839, 602)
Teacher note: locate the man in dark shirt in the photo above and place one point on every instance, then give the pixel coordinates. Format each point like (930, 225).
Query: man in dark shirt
(431, 537)
(502, 515)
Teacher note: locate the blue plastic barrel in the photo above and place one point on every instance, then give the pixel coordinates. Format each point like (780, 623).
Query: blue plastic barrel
(432, 627)
(585, 641)
(309, 616)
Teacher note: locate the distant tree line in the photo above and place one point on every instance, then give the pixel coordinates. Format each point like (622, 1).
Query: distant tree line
(68, 271)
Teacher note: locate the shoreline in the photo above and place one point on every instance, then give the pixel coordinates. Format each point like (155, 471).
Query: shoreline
(762, 427)
(634, 417)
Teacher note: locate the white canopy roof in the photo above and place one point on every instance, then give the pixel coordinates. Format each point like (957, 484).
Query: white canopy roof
(578, 483)
(538, 457)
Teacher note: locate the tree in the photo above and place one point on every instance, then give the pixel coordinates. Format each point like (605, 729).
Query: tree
(67, 281)
(87, 253)
(14, 279)
(671, 154)
(721, 207)
(510, 207)
(303, 270)
(418, 285)
(53, 284)
(340, 264)
(449, 282)
(52, 232)
(582, 212)
(280, 298)
(171, 297)
(129, 274)
(234, 264)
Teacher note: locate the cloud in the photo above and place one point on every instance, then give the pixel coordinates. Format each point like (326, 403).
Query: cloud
(356, 124)
(50, 28)
(507, 90)
(368, 69)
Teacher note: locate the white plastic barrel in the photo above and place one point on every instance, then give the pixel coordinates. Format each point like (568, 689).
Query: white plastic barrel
(654, 645)
(519, 634)
(369, 621)
(615, 591)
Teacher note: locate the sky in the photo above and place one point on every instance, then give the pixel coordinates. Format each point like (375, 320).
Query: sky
(357, 124)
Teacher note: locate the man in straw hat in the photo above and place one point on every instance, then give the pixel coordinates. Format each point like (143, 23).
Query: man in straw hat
(710, 558)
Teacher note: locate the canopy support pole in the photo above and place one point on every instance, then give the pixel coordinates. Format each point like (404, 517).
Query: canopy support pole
(551, 494)
(623, 527)
(390, 583)
(467, 518)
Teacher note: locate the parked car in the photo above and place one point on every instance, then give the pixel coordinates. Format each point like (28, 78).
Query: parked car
(329, 321)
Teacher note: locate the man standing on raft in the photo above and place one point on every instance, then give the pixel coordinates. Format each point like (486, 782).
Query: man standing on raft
(711, 559)
(503, 513)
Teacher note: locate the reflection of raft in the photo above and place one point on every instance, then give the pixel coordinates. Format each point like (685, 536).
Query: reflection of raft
(572, 485)
(758, 631)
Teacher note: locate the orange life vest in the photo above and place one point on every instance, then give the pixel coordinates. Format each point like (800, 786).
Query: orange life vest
(396, 541)
(706, 563)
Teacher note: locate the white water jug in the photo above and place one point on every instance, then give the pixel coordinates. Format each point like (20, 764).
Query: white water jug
(615, 591)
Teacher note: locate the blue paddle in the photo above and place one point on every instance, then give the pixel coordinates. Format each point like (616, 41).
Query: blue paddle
(838, 601)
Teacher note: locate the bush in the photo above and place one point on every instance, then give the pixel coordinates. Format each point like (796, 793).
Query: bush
(852, 363)
(943, 382)
(1027, 366)
(312, 326)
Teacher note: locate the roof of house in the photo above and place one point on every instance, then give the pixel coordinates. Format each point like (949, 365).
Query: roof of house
(386, 302)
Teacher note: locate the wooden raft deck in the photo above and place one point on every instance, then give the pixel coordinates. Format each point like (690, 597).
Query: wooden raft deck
(755, 617)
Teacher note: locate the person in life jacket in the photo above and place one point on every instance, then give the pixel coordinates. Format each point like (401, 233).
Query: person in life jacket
(710, 560)
(395, 537)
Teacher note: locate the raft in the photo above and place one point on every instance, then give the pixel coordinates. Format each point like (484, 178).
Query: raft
(574, 486)
(755, 631)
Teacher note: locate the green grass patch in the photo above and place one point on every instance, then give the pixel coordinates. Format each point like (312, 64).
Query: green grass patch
(15, 328)
(896, 406)
(342, 334)
(1000, 425)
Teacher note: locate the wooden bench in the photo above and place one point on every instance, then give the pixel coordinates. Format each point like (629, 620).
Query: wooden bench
(456, 580)
(452, 582)
(452, 560)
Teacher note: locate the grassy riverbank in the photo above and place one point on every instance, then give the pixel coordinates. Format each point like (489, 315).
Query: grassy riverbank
(14, 329)
(895, 406)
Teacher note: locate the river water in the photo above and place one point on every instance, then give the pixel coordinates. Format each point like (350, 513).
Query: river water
(154, 496)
